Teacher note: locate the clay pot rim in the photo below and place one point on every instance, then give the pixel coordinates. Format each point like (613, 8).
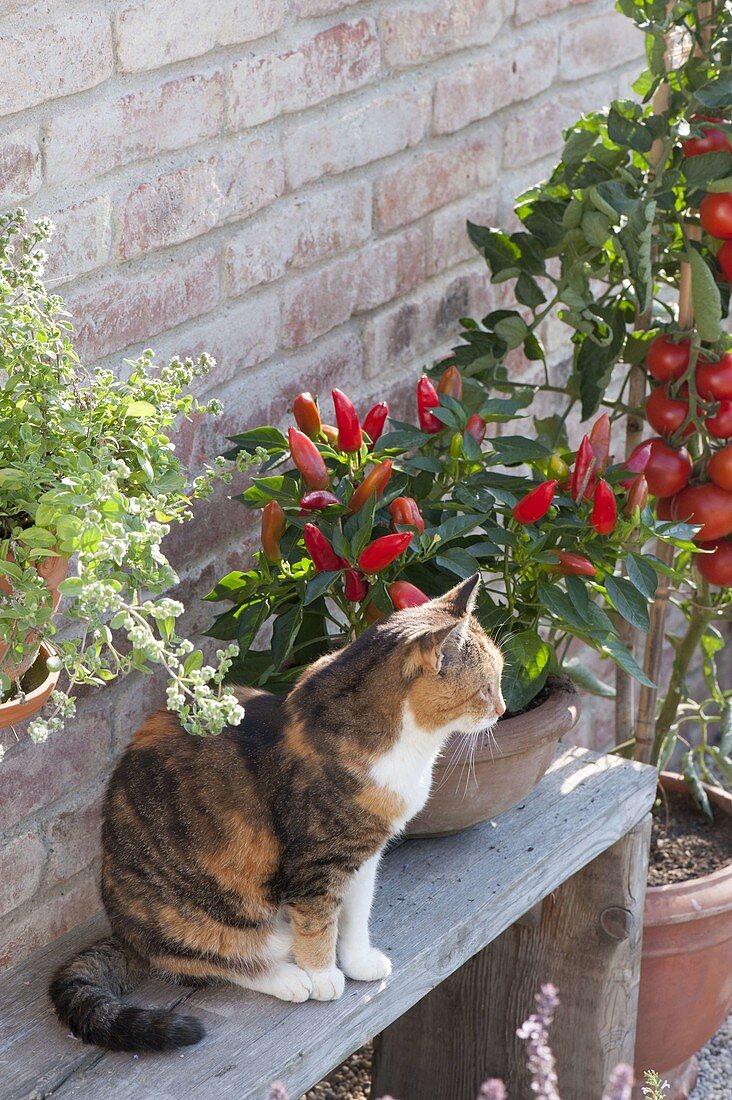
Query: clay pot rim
(712, 892)
(549, 721)
(13, 710)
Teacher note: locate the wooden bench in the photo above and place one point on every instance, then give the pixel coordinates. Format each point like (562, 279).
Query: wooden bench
(464, 971)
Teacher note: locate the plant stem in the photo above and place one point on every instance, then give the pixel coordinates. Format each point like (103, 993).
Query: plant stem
(700, 618)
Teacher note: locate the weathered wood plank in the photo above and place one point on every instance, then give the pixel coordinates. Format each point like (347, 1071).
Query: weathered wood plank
(587, 943)
(438, 903)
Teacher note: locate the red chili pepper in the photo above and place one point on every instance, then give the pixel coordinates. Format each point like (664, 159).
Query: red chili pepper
(637, 496)
(637, 462)
(584, 474)
(536, 503)
(350, 437)
(573, 565)
(319, 549)
(374, 482)
(273, 528)
(476, 427)
(355, 587)
(600, 442)
(451, 383)
(403, 594)
(375, 420)
(604, 509)
(308, 460)
(382, 552)
(331, 433)
(405, 512)
(317, 499)
(427, 399)
(307, 415)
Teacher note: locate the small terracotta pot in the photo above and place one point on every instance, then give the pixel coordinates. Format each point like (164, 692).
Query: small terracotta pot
(42, 683)
(505, 766)
(686, 969)
(52, 571)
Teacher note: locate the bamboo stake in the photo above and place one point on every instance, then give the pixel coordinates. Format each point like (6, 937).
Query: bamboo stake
(624, 683)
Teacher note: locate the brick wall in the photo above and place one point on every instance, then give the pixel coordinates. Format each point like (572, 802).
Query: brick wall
(284, 183)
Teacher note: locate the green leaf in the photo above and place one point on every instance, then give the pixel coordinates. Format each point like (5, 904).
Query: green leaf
(319, 585)
(498, 250)
(516, 449)
(725, 737)
(628, 601)
(642, 574)
(400, 441)
(512, 329)
(248, 623)
(691, 775)
(625, 659)
(717, 93)
(527, 660)
(528, 292)
(626, 131)
(266, 436)
(705, 297)
(193, 661)
(459, 562)
(586, 679)
(278, 487)
(139, 410)
(706, 168)
(284, 632)
(635, 240)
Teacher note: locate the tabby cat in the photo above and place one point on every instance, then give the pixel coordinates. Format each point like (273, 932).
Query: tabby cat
(251, 857)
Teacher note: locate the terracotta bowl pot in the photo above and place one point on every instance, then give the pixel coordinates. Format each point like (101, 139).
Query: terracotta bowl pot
(52, 571)
(686, 969)
(505, 765)
(42, 683)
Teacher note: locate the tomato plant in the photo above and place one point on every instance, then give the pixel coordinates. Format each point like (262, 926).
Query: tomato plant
(666, 414)
(719, 468)
(715, 214)
(716, 564)
(711, 140)
(720, 424)
(667, 361)
(724, 259)
(668, 469)
(714, 379)
(706, 506)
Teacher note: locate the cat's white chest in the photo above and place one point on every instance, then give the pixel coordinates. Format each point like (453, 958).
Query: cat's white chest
(406, 769)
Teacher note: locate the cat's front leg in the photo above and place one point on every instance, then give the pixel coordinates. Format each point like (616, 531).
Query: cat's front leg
(315, 928)
(359, 959)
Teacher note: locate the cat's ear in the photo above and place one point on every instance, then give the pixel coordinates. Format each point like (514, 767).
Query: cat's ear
(425, 653)
(460, 600)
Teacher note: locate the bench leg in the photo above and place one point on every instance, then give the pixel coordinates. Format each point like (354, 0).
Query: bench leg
(587, 942)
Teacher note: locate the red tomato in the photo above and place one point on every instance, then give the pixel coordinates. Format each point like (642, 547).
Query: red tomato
(663, 508)
(715, 214)
(708, 506)
(713, 141)
(720, 468)
(714, 380)
(666, 414)
(667, 361)
(717, 566)
(720, 425)
(724, 259)
(668, 470)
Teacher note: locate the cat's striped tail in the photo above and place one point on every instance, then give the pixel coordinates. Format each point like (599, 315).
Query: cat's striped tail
(87, 994)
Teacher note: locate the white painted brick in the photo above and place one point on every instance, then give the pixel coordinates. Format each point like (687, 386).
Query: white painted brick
(299, 233)
(172, 208)
(251, 175)
(42, 62)
(597, 43)
(81, 241)
(20, 165)
(118, 130)
(355, 135)
(157, 32)
(414, 33)
(450, 244)
(337, 60)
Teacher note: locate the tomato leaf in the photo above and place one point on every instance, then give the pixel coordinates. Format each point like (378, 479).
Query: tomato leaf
(705, 296)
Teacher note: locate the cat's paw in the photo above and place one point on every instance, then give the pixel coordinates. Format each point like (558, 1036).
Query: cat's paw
(288, 983)
(327, 985)
(368, 966)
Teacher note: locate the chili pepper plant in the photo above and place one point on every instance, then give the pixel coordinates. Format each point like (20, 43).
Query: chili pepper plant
(356, 523)
(629, 244)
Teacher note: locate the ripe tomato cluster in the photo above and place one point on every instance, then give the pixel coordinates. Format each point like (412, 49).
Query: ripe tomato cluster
(704, 498)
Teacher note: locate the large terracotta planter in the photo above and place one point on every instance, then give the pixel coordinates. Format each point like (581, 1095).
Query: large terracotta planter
(39, 685)
(686, 969)
(52, 571)
(505, 766)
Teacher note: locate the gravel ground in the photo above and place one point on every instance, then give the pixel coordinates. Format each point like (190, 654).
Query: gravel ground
(352, 1080)
(715, 1067)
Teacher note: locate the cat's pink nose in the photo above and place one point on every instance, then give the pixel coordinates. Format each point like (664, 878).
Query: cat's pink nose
(500, 707)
